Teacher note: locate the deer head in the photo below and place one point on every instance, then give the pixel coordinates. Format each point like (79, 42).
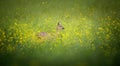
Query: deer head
(59, 27)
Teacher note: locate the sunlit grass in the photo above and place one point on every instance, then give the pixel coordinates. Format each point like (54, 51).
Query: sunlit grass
(83, 33)
(90, 37)
(82, 36)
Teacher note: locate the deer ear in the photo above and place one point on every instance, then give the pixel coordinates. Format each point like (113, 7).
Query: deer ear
(58, 23)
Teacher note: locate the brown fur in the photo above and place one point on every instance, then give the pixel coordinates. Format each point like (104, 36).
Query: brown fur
(45, 35)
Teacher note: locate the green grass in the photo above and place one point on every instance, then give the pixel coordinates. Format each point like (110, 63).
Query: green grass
(90, 38)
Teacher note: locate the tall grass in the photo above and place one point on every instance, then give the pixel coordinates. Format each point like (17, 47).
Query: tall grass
(90, 38)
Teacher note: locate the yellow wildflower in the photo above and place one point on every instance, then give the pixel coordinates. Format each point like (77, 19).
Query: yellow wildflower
(100, 28)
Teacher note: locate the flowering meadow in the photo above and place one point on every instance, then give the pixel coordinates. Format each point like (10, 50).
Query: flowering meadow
(90, 38)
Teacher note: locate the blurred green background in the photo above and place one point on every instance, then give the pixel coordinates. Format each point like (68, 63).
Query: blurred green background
(91, 36)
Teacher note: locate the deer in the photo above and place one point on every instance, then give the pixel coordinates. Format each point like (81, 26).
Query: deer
(46, 35)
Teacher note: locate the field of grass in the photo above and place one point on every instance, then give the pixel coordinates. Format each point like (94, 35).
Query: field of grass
(91, 36)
